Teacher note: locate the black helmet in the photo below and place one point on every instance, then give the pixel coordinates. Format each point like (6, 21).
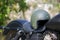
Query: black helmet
(39, 18)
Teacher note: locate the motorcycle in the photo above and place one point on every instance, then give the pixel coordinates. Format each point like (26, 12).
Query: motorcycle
(22, 30)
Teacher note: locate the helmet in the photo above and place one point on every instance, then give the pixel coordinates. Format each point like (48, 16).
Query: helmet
(39, 18)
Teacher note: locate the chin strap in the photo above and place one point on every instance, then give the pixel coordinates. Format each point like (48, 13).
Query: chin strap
(43, 29)
(40, 29)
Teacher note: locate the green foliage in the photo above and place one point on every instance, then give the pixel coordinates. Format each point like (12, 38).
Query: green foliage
(58, 6)
(3, 11)
(6, 6)
(23, 7)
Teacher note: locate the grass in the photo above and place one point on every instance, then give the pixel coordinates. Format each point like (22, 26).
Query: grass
(1, 35)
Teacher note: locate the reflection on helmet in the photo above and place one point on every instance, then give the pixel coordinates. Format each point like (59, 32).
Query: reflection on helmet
(39, 18)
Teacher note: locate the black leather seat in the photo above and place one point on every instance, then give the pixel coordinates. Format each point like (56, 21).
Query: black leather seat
(54, 23)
